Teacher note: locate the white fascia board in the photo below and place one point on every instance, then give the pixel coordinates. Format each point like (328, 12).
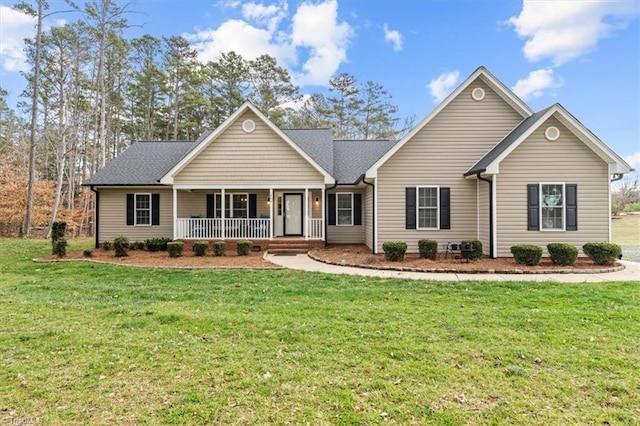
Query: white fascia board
(247, 186)
(488, 78)
(168, 178)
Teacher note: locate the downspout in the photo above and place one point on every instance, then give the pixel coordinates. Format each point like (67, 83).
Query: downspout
(373, 215)
(325, 206)
(490, 182)
(96, 216)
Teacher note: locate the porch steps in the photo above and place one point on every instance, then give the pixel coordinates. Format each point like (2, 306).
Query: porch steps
(281, 247)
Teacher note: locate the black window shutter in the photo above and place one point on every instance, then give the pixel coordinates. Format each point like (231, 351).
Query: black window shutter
(357, 209)
(155, 209)
(253, 205)
(533, 207)
(210, 206)
(410, 208)
(331, 209)
(445, 208)
(130, 209)
(572, 207)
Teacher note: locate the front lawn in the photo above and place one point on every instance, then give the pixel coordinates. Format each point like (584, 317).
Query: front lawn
(90, 343)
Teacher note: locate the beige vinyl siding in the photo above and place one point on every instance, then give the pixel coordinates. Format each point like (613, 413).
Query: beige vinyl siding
(113, 215)
(195, 202)
(438, 155)
(239, 157)
(367, 216)
(483, 215)
(566, 160)
(346, 234)
(316, 208)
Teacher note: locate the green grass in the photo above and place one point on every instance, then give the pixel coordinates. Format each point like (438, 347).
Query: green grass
(89, 343)
(626, 230)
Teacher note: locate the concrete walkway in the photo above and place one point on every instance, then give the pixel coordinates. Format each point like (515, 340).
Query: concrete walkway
(305, 263)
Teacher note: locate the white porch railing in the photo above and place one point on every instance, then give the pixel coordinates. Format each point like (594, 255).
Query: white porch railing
(314, 227)
(212, 229)
(235, 229)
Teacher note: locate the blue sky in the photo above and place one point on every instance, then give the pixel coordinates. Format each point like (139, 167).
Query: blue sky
(582, 54)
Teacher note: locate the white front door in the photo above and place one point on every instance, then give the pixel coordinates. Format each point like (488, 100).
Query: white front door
(293, 214)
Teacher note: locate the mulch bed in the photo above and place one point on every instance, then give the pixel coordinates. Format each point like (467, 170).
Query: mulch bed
(361, 256)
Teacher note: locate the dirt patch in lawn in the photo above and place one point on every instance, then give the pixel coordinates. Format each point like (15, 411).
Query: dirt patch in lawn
(161, 259)
(360, 256)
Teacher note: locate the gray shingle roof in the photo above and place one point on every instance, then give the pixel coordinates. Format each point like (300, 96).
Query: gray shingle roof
(143, 163)
(316, 143)
(506, 142)
(353, 158)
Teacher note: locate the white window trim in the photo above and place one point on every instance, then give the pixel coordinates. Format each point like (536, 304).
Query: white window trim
(135, 209)
(564, 207)
(437, 188)
(352, 208)
(229, 205)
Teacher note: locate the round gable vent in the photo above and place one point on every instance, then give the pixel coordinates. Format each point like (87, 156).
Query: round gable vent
(477, 94)
(248, 126)
(552, 133)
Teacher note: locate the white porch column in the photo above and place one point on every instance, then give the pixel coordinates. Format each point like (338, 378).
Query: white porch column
(306, 214)
(322, 206)
(175, 212)
(271, 215)
(222, 215)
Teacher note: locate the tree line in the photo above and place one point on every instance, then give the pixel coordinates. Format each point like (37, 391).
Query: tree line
(91, 92)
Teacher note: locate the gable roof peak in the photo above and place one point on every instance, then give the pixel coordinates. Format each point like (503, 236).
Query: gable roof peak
(503, 91)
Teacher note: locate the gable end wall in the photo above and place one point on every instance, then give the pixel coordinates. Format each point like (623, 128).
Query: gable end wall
(566, 160)
(440, 154)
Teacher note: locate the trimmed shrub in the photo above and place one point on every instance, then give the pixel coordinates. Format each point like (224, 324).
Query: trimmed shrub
(243, 247)
(394, 250)
(476, 249)
(562, 254)
(428, 249)
(175, 248)
(139, 245)
(527, 254)
(87, 253)
(602, 253)
(200, 247)
(60, 247)
(219, 248)
(121, 244)
(58, 230)
(157, 244)
(107, 245)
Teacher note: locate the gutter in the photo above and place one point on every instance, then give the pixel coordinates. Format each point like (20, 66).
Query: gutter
(490, 182)
(96, 216)
(373, 214)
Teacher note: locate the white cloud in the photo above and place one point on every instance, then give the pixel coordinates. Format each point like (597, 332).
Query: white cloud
(14, 28)
(633, 160)
(535, 83)
(563, 30)
(241, 37)
(312, 43)
(269, 16)
(316, 28)
(440, 87)
(394, 37)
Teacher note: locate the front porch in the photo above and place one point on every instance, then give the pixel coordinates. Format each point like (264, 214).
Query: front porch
(248, 213)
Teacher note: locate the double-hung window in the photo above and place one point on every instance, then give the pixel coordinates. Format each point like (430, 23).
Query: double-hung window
(552, 213)
(235, 206)
(142, 209)
(344, 208)
(428, 202)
